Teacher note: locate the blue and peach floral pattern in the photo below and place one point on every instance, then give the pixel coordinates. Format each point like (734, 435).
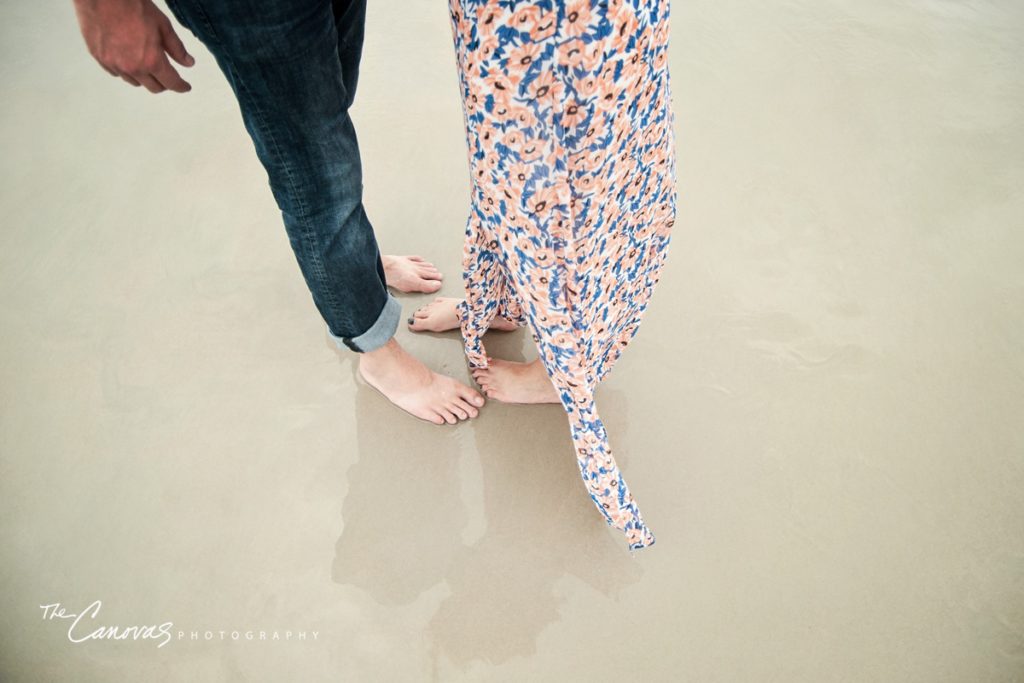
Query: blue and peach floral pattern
(571, 151)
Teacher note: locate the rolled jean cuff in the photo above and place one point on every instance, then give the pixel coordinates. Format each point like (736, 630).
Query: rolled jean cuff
(379, 333)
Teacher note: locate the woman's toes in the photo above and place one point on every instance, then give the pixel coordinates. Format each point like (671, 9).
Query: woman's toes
(419, 318)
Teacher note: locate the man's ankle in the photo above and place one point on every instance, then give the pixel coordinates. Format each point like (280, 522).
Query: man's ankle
(390, 351)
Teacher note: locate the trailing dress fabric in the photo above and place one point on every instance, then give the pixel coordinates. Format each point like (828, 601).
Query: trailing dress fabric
(569, 123)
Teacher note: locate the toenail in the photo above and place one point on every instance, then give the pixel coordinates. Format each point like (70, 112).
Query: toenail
(410, 321)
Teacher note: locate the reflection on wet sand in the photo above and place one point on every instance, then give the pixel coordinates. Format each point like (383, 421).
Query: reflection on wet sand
(534, 508)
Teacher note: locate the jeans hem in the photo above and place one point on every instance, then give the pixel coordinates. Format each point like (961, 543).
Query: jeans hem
(379, 334)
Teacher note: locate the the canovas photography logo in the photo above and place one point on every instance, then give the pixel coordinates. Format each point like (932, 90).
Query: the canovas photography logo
(85, 625)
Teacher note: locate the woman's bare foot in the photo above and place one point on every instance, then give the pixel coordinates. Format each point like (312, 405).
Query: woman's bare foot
(411, 274)
(414, 388)
(441, 315)
(510, 382)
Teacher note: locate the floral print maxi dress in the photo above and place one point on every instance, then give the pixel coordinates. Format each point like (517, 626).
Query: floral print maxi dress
(569, 123)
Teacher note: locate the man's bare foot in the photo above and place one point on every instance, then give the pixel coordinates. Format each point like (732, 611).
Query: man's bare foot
(440, 315)
(414, 388)
(510, 382)
(411, 274)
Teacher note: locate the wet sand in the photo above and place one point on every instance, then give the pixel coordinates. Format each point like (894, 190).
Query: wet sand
(821, 418)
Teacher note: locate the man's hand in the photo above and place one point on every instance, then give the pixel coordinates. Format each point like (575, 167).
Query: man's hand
(131, 39)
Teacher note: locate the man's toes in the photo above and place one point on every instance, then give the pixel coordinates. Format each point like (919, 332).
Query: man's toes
(428, 284)
(469, 402)
(448, 416)
(436, 419)
(462, 410)
(470, 410)
(468, 395)
(458, 411)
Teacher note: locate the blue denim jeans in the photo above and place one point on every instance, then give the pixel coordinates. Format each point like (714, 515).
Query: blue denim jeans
(293, 66)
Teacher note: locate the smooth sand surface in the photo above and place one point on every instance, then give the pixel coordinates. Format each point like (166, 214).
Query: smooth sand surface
(821, 418)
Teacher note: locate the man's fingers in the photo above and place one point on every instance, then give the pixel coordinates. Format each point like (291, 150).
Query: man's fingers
(168, 77)
(149, 83)
(174, 47)
(129, 80)
(109, 70)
